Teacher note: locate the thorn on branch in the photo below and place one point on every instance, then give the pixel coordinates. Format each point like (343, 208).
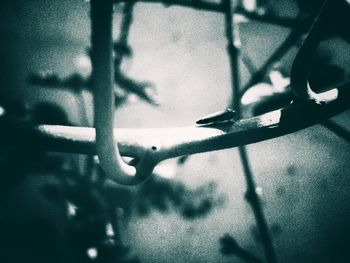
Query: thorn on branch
(230, 247)
(183, 159)
(122, 49)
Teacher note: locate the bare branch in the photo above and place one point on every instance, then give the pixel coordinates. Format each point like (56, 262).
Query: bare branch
(175, 142)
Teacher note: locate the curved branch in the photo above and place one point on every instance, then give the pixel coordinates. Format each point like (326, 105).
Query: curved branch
(331, 17)
(102, 83)
(161, 144)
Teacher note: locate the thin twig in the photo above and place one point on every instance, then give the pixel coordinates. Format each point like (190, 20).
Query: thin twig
(254, 201)
(258, 76)
(247, 61)
(144, 90)
(220, 8)
(122, 43)
(288, 22)
(233, 49)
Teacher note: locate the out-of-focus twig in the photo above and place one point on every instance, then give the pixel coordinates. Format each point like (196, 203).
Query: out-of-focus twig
(77, 82)
(254, 201)
(219, 7)
(74, 82)
(233, 45)
(258, 76)
(288, 22)
(247, 61)
(144, 90)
